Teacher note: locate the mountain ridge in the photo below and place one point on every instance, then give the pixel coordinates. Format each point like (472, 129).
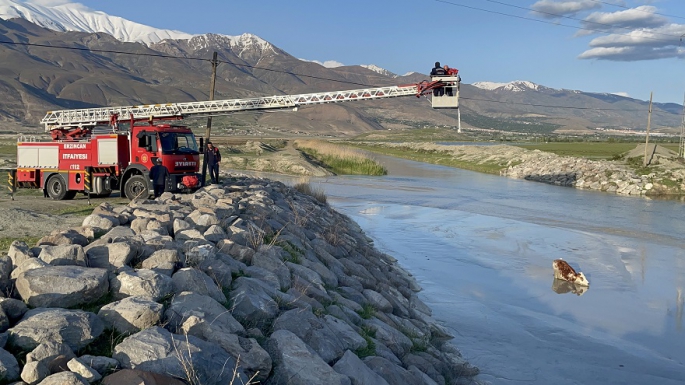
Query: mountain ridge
(39, 78)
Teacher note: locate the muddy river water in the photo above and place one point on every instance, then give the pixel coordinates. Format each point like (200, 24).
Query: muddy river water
(482, 248)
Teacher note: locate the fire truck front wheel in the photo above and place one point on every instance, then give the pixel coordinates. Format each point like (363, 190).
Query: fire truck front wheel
(57, 188)
(137, 187)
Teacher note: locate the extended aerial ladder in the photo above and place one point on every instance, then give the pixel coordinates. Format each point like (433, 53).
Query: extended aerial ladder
(72, 124)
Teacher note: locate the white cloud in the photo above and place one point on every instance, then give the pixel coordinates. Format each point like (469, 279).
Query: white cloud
(640, 17)
(549, 9)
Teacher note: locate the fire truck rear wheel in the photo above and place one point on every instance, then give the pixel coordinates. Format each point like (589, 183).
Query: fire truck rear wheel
(137, 187)
(57, 188)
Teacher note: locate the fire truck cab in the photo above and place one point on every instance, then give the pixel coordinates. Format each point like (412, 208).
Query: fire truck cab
(103, 160)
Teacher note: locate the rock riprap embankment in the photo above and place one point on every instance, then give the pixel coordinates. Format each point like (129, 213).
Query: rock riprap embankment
(250, 280)
(667, 177)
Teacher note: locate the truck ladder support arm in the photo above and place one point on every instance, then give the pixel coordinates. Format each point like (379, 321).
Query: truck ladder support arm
(90, 117)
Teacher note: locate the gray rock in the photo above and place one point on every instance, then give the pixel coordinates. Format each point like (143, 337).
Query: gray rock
(131, 315)
(19, 251)
(252, 303)
(389, 336)
(392, 373)
(190, 279)
(26, 265)
(101, 364)
(188, 304)
(264, 275)
(6, 268)
(316, 333)
(64, 378)
(111, 256)
(141, 283)
(75, 328)
(63, 255)
(13, 308)
(62, 286)
(360, 374)
(34, 372)
(215, 234)
(254, 360)
(156, 350)
(297, 364)
(89, 374)
(267, 258)
(100, 222)
(139, 377)
(377, 300)
(163, 261)
(9, 367)
(64, 237)
(308, 275)
(49, 351)
(218, 271)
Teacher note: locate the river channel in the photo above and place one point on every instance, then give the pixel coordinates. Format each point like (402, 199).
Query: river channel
(482, 247)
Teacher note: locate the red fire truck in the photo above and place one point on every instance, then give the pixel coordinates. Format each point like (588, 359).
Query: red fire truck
(95, 151)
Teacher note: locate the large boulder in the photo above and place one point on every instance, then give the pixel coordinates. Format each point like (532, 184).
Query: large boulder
(189, 304)
(392, 373)
(63, 255)
(354, 368)
(190, 279)
(19, 251)
(62, 286)
(323, 336)
(254, 360)
(64, 378)
(139, 377)
(76, 328)
(111, 256)
(141, 283)
(103, 365)
(163, 261)
(252, 302)
(159, 351)
(295, 363)
(9, 367)
(131, 315)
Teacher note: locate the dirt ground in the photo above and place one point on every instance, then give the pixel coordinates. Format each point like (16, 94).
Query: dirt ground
(32, 215)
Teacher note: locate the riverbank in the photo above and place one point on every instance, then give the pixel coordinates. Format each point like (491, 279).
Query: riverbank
(247, 280)
(665, 177)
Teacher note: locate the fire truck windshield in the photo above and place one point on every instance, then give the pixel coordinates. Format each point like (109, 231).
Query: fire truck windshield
(178, 143)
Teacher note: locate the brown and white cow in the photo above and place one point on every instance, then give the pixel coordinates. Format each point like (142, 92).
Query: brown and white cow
(562, 270)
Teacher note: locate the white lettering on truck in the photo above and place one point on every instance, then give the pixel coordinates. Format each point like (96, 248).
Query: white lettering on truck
(75, 156)
(185, 164)
(76, 146)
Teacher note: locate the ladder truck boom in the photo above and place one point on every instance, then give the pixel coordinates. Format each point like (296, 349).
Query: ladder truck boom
(91, 117)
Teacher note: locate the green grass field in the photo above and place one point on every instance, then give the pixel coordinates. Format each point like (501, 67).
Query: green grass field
(434, 158)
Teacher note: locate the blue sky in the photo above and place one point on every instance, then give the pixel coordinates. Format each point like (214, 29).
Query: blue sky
(631, 46)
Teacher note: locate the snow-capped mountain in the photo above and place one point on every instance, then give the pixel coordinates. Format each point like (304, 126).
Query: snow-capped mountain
(76, 17)
(378, 69)
(515, 86)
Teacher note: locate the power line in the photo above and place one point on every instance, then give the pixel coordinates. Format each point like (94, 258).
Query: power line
(180, 57)
(638, 10)
(574, 18)
(557, 106)
(544, 21)
(287, 72)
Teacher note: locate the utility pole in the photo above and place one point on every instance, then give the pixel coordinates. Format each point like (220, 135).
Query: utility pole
(681, 149)
(649, 122)
(208, 130)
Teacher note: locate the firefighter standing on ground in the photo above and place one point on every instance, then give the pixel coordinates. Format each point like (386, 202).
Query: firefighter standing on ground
(213, 159)
(159, 175)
